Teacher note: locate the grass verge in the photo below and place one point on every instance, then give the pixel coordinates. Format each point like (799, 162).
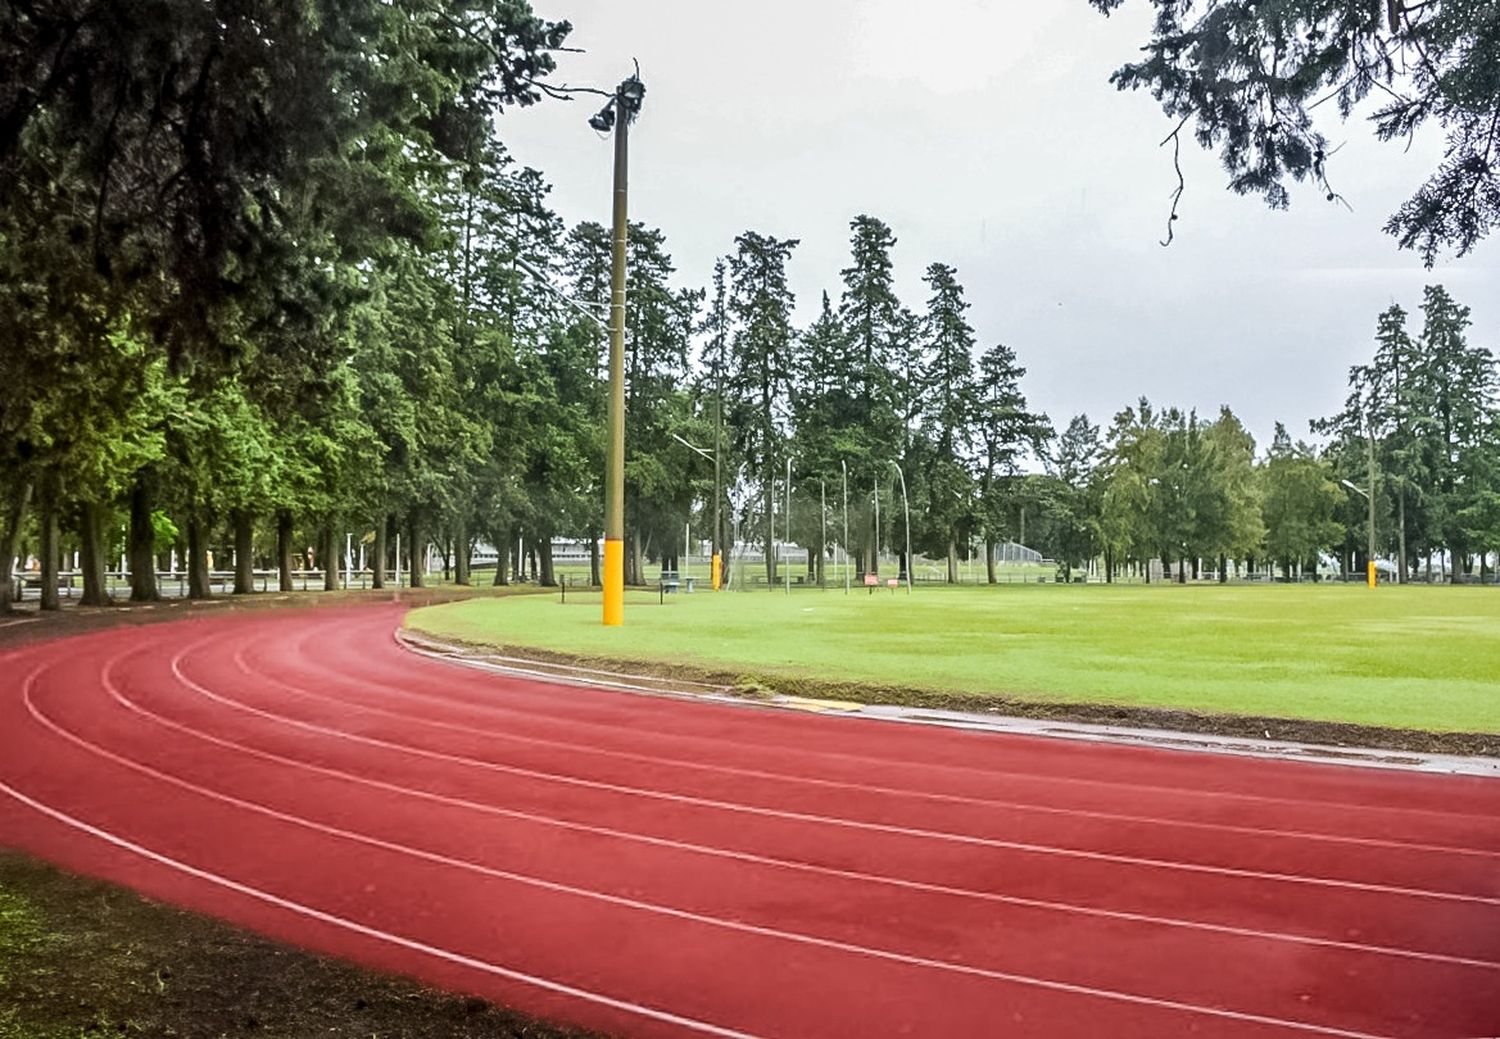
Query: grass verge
(80, 959)
(1412, 668)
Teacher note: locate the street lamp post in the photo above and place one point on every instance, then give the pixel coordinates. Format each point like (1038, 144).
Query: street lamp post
(906, 504)
(1369, 497)
(844, 469)
(618, 115)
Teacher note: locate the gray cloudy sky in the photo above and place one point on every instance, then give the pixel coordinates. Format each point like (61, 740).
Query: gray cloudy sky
(987, 135)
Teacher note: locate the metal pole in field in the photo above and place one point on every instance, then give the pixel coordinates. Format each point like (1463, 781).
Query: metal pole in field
(717, 567)
(621, 109)
(789, 523)
(906, 504)
(823, 519)
(875, 497)
(844, 472)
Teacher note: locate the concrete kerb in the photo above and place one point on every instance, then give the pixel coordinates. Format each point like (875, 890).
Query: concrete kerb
(1161, 739)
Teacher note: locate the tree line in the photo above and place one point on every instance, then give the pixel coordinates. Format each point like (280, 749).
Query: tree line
(272, 277)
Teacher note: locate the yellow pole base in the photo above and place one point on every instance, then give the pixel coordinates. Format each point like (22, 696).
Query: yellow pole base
(1370, 568)
(718, 571)
(614, 582)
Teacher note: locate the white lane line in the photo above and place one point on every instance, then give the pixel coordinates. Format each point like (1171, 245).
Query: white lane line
(763, 860)
(240, 662)
(365, 930)
(731, 806)
(615, 900)
(1112, 785)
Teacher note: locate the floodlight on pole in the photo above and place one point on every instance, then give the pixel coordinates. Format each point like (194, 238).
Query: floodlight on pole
(618, 114)
(1355, 488)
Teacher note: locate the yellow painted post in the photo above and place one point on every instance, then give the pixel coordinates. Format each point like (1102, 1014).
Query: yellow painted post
(614, 581)
(718, 571)
(1370, 567)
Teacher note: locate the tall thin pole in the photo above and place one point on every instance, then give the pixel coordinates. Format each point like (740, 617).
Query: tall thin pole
(614, 462)
(906, 505)
(1370, 443)
(823, 520)
(789, 522)
(717, 567)
(844, 466)
(875, 497)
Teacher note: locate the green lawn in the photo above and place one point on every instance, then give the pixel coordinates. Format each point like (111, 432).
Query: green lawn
(1415, 657)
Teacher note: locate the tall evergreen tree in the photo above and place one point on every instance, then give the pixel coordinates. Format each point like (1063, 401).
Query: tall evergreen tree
(761, 352)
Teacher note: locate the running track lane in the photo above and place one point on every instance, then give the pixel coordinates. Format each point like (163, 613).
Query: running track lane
(654, 867)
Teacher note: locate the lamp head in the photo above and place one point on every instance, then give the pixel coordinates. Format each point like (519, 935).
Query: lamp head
(604, 119)
(632, 92)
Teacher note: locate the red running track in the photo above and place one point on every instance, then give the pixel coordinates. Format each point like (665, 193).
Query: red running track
(654, 867)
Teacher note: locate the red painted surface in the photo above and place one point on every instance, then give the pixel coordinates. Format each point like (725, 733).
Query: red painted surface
(657, 867)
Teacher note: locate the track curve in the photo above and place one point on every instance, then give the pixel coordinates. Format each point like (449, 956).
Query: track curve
(653, 867)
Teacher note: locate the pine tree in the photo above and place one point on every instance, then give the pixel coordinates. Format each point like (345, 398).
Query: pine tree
(761, 364)
(1005, 429)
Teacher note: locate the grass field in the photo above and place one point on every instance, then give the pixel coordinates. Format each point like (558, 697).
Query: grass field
(1414, 657)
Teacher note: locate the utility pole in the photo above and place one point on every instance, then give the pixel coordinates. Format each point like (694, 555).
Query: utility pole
(789, 522)
(844, 469)
(718, 543)
(1370, 444)
(617, 114)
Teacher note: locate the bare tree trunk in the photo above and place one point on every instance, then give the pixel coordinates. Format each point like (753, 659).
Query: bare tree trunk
(377, 553)
(244, 552)
(1401, 574)
(415, 551)
(49, 547)
(142, 546)
(198, 581)
(330, 549)
(284, 549)
(544, 550)
(989, 562)
(91, 556)
(952, 559)
(10, 541)
(502, 559)
(594, 581)
(460, 551)
(634, 564)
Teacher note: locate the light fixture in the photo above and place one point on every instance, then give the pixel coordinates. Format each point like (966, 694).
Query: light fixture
(604, 119)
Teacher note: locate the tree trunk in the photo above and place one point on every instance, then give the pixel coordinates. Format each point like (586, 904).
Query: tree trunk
(989, 562)
(10, 541)
(544, 549)
(142, 546)
(1223, 569)
(768, 500)
(329, 547)
(49, 546)
(502, 559)
(284, 550)
(1109, 566)
(244, 552)
(460, 551)
(952, 559)
(1401, 574)
(594, 581)
(197, 552)
(91, 552)
(377, 552)
(415, 553)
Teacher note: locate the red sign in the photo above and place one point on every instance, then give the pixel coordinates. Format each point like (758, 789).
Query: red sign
(872, 581)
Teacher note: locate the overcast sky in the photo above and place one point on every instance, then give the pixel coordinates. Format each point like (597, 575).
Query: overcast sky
(988, 136)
